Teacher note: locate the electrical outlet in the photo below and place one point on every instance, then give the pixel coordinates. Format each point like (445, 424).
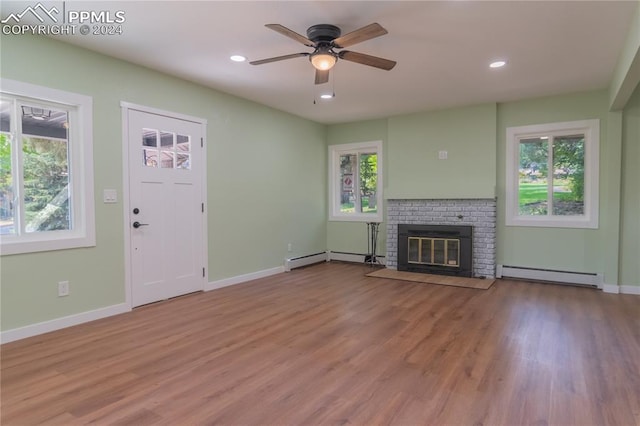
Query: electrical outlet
(63, 288)
(289, 247)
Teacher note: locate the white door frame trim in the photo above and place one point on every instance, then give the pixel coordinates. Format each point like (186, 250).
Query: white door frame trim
(126, 107)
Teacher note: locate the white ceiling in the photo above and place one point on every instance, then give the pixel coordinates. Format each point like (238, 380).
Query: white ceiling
(443, 49)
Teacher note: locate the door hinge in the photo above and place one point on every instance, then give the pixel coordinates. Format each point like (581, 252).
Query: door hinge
(202, 272)
(201, 142)
(202, 207)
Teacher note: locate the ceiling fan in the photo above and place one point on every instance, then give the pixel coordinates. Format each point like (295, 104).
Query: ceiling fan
(325, 38)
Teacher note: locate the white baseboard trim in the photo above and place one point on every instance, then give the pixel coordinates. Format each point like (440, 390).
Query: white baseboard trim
(610, 288)
(630, 289)
(352, 257)
(300, 261)
(60, 323)
(225, 282)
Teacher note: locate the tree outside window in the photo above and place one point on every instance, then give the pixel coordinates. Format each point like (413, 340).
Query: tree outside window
(564, 157)
(359, 176)
(552, 175)
(355, 177)
(46, 169)
(43, 173)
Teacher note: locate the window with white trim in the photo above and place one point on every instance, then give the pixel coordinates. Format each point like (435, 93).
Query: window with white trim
(552, 175)
(46, 169)
(355, 182)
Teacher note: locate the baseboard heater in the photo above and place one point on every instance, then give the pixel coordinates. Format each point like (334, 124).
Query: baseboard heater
(550, 275)
(354, 257)
(300, 261)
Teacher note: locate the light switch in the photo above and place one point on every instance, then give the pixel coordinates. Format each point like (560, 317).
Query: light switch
(110, 196)
(442, 155)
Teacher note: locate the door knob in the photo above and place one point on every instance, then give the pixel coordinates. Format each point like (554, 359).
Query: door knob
(137, 224)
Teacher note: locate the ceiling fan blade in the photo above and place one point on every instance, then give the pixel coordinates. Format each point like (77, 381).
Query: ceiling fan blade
(322, 76)
(278, 58)
(372, 61)
(365, 33)
(291, 34)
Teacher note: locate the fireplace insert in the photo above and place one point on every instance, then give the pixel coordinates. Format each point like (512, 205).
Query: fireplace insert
(436, 249)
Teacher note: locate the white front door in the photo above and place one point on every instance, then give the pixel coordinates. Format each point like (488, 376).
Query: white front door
(166, 206)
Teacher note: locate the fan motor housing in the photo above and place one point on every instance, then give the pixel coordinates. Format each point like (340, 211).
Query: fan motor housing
(323, 33)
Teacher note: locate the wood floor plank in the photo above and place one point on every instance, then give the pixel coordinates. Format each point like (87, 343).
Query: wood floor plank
(328, 345)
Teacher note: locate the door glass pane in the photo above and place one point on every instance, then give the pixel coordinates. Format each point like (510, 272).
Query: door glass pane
(183, 143)
(368, 182)
(150, 137)
(45, 154)
(183, 161)
(568, 175)
(166, 139)
(6, 181)
(347, 178)
(150, 157)
(532, 177)
(167, 160)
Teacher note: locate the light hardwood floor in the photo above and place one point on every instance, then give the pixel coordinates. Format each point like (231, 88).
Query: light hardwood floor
(327, 345)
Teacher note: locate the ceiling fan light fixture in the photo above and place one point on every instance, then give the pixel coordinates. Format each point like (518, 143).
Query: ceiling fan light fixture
(323, 61)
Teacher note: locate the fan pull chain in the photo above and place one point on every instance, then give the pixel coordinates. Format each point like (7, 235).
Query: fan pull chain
(324, 95)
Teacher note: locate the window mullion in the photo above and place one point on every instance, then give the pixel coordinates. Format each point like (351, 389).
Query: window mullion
(356, 185)
(337, 184)
(550, 173)
(17, 170)
(75, 194)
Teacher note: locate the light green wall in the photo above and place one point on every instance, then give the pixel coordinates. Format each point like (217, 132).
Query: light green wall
(412, 170)
(266, 180)
(630, 217)
(411, 165)
(581, 250)
(267, 186)
(467, 134)
(351, 237)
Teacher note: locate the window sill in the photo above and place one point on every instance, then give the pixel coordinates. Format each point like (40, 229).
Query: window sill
(364, 218)
(556, 222)
(34, 245)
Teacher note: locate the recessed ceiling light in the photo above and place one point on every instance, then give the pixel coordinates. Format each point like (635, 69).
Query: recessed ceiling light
(497, 64)
(326, 96)
(238, 58)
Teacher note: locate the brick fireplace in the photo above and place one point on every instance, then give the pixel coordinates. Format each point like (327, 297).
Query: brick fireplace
(479, 214)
